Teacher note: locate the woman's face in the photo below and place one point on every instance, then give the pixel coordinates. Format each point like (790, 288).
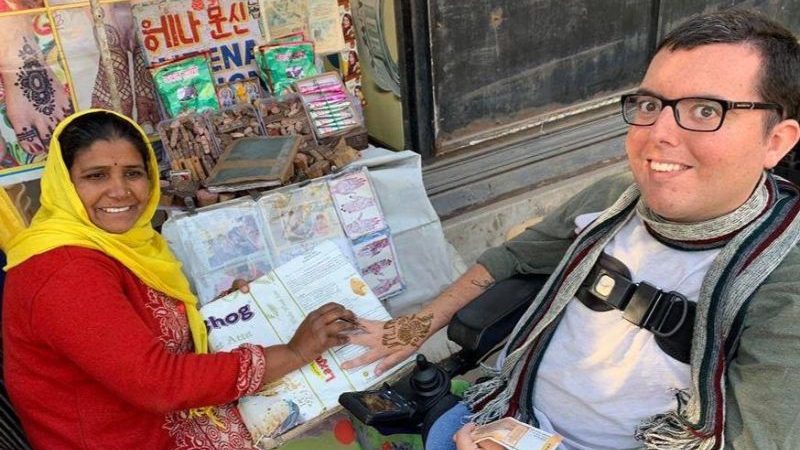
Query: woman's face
(111, 181)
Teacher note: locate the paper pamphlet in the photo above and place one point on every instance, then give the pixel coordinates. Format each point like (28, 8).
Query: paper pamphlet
(512, 434)
(325, 27)
(270, 313)
(318, 20)
(283, 17)
(378, 264)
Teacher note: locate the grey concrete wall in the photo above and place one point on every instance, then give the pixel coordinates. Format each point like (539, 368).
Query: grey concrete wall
(473, 232)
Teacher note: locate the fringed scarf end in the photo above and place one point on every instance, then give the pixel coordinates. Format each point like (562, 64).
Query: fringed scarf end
(476, 393)
(669, 431)
(494, 409)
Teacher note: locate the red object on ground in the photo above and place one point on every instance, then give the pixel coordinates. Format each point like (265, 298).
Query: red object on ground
(344, 432)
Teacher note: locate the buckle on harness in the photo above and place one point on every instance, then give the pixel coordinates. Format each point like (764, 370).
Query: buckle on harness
(612, 288)
(650, 308)
(642, 304)
(668, 315)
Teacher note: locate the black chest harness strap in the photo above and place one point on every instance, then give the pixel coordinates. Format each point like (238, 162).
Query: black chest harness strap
(668, 315)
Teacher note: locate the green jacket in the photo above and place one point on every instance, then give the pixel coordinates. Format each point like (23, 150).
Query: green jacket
(762, 408)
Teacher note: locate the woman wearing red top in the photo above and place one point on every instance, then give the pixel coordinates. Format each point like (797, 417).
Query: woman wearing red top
(104, 346)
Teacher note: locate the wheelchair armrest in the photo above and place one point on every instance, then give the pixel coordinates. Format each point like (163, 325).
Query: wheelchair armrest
(490, 318)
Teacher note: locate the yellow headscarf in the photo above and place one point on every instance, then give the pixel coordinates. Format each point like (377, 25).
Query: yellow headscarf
(11, 221)
(62, 220)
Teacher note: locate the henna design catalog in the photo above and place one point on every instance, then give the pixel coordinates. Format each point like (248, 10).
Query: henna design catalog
(406, 330)
(34, 81)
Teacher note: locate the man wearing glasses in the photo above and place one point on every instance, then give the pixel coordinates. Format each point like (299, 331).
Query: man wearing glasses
(671, 319)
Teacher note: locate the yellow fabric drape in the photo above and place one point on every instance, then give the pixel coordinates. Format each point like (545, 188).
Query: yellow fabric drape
(11, 221)
(62, 220)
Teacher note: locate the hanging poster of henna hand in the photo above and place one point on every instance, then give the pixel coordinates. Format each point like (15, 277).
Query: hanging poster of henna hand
(136, 92)
(35, 99)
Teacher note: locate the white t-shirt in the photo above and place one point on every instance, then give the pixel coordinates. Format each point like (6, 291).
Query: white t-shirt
(601, 375)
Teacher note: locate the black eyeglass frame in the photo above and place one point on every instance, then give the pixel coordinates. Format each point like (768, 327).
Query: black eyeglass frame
(727, 105)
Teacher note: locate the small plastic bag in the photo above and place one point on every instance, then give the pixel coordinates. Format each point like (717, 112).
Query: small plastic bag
(185, 85)
(283, 64)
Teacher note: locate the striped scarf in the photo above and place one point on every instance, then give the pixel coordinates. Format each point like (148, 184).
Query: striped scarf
(754, 239)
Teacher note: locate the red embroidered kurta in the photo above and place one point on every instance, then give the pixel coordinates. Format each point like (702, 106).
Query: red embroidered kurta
(95, 359)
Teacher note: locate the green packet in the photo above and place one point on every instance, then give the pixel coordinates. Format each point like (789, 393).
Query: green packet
(186, 85)
(283, 64)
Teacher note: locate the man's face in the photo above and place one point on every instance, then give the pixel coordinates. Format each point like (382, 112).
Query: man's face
(690, 176)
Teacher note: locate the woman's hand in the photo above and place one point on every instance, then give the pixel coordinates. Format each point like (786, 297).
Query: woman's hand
(464, 441)
(322, 329)
(239, 284)
(393, 341)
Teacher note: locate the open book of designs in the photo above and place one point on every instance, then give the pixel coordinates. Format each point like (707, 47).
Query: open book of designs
(270, 313)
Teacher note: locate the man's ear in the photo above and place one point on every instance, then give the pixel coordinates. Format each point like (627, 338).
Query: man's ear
(782, 138)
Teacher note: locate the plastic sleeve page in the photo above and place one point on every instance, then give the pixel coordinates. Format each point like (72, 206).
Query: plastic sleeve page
(325, 275)
(325, 28)
(356, 204)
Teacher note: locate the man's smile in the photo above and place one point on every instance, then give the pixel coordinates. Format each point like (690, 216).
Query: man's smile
(661, 166)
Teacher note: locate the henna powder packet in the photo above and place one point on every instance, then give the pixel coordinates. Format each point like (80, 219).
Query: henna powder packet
(283, 64)
(185, 85)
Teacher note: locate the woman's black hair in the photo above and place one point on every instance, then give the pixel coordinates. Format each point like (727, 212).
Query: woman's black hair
(85, 130)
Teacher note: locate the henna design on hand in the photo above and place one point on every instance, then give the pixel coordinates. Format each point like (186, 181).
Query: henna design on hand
(34, 81)
(118, 58)
(406, 330)
(28, 135)
(146, 106)
(32, 137)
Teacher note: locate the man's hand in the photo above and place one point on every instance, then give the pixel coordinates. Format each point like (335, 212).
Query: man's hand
(464, 441)
(322, 329)
(399, 338)
(394, 341)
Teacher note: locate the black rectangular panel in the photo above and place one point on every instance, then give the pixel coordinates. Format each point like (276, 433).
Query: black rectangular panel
(501, 61)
